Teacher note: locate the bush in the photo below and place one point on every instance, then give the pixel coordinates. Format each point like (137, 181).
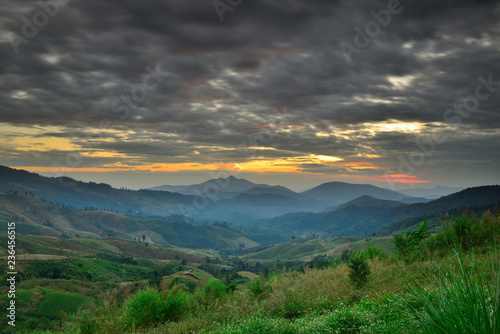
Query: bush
(215, 289)
(144, 308)
(457, 233)
(374, 251)
(359, 269)
(259, 288)
(149, 307)
(407, 242)
(465, 231)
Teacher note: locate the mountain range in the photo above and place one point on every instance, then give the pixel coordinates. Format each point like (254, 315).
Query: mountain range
(430, 193)
(330, 209)
(367, 214)
(232, 199)
(36, 216)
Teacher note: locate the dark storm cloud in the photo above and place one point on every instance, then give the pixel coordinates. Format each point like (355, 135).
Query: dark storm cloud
(227, 79)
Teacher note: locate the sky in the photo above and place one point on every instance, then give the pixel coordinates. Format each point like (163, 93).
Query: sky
(137, 94)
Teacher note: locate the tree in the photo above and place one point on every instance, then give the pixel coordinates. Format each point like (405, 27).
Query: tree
(143, 237)
(359, 269)
(293, 237)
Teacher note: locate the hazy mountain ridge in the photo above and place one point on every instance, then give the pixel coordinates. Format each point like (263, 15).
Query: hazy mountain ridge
(238, 200)
(230, 184)
(344, 192)
(367, 217)
(274, 201)
(365, 201)
(431, 193)
(68, 191)
(34, 216)
(274, 207)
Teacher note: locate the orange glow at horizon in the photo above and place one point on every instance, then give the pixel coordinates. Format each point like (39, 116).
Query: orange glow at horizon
(402, 178)
(259, 164)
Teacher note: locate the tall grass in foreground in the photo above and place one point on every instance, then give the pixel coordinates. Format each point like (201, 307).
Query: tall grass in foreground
(461, 302)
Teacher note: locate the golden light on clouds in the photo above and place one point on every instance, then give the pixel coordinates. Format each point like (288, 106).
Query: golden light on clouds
(38, 139)
(325, 158)
(43, 144)
(257, 164)
(396, 126)
(23, 138)
(367, 155)
(107, 154)
(359, 165)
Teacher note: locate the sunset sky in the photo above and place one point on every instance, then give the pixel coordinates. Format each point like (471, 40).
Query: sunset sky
(143, 93)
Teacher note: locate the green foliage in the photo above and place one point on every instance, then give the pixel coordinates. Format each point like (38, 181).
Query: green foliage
(415, 237)
(467, 232)
(461, 232)
(117, 259)
(320, 261)
(260, 325)
(215, 289)
(144, 308)
(407, 242)
(149, 306)
(154, 281)
(401, 243)
(359, 269)
(346, 254)
(375, 251)
(56, 301)
(259, 287)
(308, 301)
(366, 317)
(66, 269)
(460, 301)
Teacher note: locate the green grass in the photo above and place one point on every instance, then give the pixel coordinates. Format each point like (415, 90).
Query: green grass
(369, 316)
(75, 286)
(299, 250)
(459, 300)
(55, 301)
(96, 244)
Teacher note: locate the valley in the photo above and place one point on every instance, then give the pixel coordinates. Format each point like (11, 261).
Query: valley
(78, 244)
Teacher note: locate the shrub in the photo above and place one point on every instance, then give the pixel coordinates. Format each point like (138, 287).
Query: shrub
(401, 243)
(407, 242)
(174, 304)
(374, 251)
(215, 289)
(148, 307)
(359, 269)
(465, 231)
(259, 287)
(144, 308)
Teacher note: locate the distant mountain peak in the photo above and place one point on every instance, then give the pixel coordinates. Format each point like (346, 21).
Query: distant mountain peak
(343, 192)
(369, 201)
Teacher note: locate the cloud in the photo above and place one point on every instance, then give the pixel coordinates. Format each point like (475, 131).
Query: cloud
(229, 81)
